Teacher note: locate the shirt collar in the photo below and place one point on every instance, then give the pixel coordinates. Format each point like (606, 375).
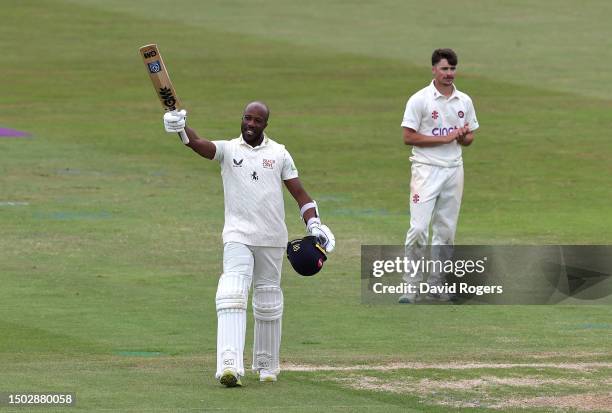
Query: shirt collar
(437, 94)
(263, 143)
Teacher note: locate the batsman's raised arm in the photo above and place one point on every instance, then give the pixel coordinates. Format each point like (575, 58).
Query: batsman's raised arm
(176, 122)
(200, 145)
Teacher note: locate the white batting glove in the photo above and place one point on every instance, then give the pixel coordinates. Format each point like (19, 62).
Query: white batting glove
(323, 233)
(174, 121)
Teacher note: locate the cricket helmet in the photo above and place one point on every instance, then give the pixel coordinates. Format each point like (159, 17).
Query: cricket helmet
(306, 255)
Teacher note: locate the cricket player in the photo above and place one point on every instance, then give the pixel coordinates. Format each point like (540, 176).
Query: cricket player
(253, 169)
(438, 121)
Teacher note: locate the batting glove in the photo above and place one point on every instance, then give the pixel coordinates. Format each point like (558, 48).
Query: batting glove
(174, 121)
(323, 233)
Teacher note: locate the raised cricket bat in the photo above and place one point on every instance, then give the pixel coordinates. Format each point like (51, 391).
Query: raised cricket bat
(161, 81)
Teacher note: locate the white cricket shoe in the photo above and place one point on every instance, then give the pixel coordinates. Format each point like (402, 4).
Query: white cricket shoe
(266, 377)
(230, 378)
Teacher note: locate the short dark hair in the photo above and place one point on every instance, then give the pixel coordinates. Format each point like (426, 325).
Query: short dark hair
(448, 54)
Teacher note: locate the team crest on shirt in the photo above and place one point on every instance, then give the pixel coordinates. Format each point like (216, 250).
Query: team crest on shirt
(435, 114)
(269, 163)
(254, 176)
(460, 114)
(415, 198)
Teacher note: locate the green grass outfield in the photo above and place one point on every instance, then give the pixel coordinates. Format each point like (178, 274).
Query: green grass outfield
(110, 245)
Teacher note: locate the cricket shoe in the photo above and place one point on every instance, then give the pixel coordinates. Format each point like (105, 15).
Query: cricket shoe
(266, 377)
(230, 378)
(409, 298)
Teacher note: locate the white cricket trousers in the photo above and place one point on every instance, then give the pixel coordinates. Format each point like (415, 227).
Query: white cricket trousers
(435, 198)
(243, 265)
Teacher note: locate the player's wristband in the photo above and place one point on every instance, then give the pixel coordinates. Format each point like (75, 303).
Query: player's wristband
(308, 206)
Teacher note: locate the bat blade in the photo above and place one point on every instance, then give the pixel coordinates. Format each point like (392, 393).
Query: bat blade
(161, 81)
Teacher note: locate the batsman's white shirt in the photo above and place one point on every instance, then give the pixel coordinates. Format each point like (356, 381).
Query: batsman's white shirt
(253, 191)
(431, 113)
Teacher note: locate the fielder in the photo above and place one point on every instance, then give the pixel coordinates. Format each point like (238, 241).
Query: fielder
(253, 169)
(438, 121)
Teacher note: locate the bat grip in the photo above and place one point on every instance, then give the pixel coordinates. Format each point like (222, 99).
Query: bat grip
(183, 136)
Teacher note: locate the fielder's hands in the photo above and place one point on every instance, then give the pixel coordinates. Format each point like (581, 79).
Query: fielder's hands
(174, 121)
(323, 233)
(467, 138)
(458, 134)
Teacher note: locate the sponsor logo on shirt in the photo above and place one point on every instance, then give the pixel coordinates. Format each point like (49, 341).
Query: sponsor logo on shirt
(442, 131)
(268, 163)
(254, 176)
(237, 164)
(460, 114)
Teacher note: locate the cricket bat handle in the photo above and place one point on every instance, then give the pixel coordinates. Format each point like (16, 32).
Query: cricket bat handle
(183, 136)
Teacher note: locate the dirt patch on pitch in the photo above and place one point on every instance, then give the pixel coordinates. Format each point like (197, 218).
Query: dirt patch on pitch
(577, 355)
(375, 384)
(424, 386)
(582, 366)
(443, 392)
(580, 402)
(489, 381)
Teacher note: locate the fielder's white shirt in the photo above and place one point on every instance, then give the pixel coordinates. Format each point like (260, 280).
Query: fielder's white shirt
(253, 191)
(431, 113)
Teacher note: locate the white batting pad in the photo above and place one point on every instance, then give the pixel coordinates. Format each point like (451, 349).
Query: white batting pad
(268, 312)
(231, 301)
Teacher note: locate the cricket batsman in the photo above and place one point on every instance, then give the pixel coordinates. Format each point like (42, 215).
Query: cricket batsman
(253, 169)
(438, 121)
